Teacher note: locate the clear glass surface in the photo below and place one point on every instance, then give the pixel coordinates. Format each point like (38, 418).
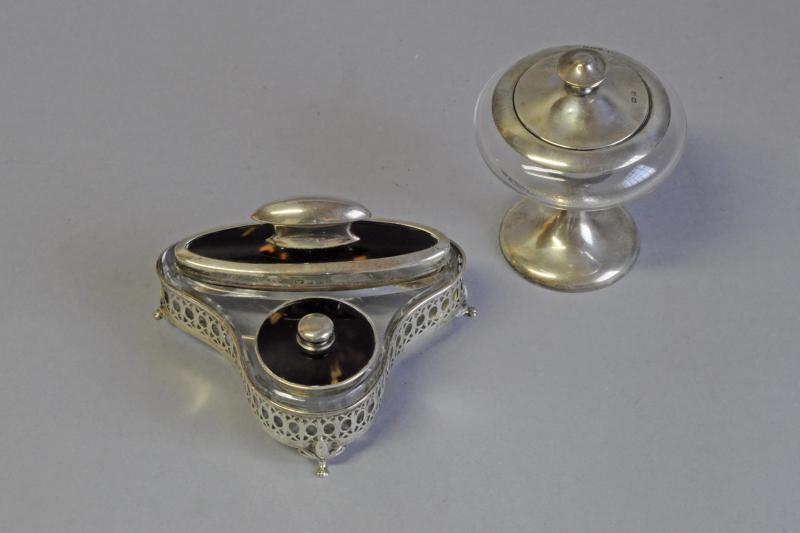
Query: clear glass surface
(545, 179)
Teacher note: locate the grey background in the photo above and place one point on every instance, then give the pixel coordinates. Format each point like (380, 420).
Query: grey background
(669, 402)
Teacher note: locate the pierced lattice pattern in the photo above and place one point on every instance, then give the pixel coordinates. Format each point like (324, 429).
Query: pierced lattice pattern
(300, 431)
(428, 316)
(286, 426)
(200, 321)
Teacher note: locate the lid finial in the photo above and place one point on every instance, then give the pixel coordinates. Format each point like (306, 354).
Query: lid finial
(582, 69)
(315, 334)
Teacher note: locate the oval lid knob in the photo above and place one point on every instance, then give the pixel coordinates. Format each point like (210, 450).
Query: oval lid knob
(311, 222)
(315, 333)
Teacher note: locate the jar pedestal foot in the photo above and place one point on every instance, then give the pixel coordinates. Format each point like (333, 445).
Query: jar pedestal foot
(569, 251)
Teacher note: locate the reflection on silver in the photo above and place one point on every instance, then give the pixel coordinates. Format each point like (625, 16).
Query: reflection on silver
(315, 333)
(568, 250)
(311, 223)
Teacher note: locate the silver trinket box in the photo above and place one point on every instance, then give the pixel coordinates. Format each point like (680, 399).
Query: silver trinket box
(312, 304)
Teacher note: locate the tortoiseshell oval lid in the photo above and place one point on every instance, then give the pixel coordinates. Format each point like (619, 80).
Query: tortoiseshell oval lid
(314, 244)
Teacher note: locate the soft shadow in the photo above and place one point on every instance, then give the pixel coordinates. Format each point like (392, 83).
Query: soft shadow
(679, 221)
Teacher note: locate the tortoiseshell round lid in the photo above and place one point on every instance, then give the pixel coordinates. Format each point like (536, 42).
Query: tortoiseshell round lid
(282, 353)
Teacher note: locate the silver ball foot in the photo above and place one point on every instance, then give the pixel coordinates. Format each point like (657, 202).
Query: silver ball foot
(320, 451)
(322, 470)
(469, 312)
(158, 314)
(569, 251)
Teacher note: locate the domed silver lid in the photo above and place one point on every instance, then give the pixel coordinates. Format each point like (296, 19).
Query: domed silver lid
(579, 110)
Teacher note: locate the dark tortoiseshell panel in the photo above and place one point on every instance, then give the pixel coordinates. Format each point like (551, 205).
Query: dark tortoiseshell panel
(352, 350)
(248, 244)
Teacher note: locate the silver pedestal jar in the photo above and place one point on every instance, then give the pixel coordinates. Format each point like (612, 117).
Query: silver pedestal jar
(313, 304)
(577, 131)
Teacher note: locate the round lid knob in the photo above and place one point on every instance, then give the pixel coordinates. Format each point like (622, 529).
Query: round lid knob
(582, 69)
(309, 223)
(296, 346)
(581, 100)
(315, 334)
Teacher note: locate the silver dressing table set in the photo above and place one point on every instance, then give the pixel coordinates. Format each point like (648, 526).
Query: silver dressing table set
(315, 300)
